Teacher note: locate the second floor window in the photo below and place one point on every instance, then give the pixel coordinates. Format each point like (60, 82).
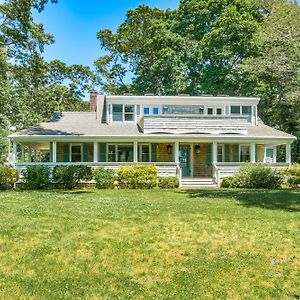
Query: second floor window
(210, 111)
(129, 113)
(117, 112)
(235, 110)
(146, 110)
(123, 113)
(155, 110)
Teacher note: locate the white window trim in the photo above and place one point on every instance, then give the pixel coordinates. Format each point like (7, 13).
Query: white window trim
(123, 113)
(223, 152)
(140, 152)
(70, 151)
(116, 149)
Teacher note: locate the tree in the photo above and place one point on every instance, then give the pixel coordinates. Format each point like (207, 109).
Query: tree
(275, 71)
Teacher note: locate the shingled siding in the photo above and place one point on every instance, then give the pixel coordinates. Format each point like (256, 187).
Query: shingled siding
(63, 152)
(162, 154)
(202, 161)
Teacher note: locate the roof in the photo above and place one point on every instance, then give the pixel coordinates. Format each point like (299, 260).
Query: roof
(85, 124)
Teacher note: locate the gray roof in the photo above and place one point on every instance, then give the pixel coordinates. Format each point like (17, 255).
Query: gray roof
(86, 124)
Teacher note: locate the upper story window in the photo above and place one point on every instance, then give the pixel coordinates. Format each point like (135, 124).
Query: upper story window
(235, 110)
(146, 111)
(219, 111)
(117, 112)
(129, 113)
(155, 110)
(210, 111)
(201, 110)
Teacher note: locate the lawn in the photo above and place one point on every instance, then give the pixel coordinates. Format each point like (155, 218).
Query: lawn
(154, 244)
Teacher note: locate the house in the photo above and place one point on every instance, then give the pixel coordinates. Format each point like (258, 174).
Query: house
(199, 139)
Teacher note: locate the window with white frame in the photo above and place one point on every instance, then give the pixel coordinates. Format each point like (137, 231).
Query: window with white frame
(220, 153)
(244, 153)
(129, 113)
(76, 152)
(117, 112)
(120, 153)
(270, 155)
(219, 111)
(210, 111)
(144, 153)
(235, 110)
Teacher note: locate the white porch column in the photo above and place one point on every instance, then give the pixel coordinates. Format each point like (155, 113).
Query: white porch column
(15, 153)
(177, 152)
(288, 157)
(214, 152)
(95, 152)
(252, 153)
(135, 151)
(275, 155)
(54, 152)
(22, 153)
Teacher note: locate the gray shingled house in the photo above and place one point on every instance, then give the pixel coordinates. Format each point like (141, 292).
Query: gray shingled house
(199, 139)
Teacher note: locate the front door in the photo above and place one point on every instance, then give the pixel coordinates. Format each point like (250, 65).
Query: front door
(185, 159)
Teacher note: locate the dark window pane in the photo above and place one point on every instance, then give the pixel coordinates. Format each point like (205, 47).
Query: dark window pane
(155, 110)
(210, 111)
(117, 112)
(219, 111)
(146, 111)
(235, 109)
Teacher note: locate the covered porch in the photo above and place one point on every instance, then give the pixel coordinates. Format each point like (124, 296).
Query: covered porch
(181, 158)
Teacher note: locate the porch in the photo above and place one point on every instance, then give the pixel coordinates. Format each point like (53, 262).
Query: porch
(184, 159)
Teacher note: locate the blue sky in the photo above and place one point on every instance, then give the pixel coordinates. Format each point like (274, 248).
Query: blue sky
(75, 23)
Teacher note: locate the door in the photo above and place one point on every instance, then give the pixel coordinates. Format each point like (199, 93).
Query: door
(185, 160)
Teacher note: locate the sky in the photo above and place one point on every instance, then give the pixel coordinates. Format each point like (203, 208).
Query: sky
(75, 23)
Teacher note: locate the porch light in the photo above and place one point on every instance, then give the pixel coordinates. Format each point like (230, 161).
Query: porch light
(169, 149)
(197, 149)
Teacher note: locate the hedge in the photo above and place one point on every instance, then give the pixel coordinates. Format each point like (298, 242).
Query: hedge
(8, 177)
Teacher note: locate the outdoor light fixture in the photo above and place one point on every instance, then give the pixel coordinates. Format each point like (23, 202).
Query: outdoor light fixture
(169, 149)
(197, 149)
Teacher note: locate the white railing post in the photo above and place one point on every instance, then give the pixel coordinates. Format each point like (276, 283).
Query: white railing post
(135, 151)
(215, 153)
(15, 153)
(177, 152)
(95, 152)
(288, 156)
(252, 153)
(54, 159)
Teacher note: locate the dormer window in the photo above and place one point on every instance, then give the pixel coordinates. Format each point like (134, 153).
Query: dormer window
(210, 111)
(129, 113)
(155, 110)
(235, 110)
(118, 112)
(123, 113)
(146, 111)
(219, 111)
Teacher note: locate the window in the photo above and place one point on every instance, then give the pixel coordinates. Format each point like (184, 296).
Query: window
(165, 109)
(129, 113)
(111, 153)
(76, 153)
(201, 110)
(270, 155)
(117, 112)
(125, 153)
(220, 153)
(247, 111)
(235, 110)
(219, 111)
(146, 110)
(144, 153)
(210, 111)
(155, 110)
(245, 153)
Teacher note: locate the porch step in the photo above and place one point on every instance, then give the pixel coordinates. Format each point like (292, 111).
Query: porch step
(198, 183)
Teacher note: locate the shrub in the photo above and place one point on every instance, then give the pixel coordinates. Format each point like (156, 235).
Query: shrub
(8, 177)
(227, 182)
(71, 176)
(104, 178)
(169, 182)
(255, 176)
(36, 177)
(137, 176)
(292, 175)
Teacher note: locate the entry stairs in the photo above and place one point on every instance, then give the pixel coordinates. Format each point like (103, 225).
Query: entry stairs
(199, 182)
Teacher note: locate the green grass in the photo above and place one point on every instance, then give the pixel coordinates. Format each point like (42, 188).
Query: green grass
(150, 244)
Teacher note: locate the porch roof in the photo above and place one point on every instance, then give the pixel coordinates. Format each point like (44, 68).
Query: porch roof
(85, 124)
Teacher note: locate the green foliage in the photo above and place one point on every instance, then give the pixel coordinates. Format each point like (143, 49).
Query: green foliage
(137, 176)
(8, 177)
(71, 176)
(104, 178)
(170, 182)
(227, 182)
(255, 176)
(36, 177)
(292, 175)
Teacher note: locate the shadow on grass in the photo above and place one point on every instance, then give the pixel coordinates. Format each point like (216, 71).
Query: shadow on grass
(287, 200)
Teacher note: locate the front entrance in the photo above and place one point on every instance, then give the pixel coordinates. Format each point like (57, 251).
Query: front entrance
(185, 159)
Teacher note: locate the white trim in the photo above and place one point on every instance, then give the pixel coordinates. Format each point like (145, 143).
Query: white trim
(252, 153)
(214, 152)
(192, 159)
(135, 152)
(95, 151)
(288, 157)
(223, 152)
(15, 153)
(177, 153)
(54, 152)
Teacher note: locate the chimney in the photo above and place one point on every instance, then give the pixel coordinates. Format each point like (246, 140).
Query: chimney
(93, 101)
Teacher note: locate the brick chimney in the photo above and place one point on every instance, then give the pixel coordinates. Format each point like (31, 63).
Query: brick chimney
(93, 101)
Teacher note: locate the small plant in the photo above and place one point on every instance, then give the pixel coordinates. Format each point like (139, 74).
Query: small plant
(36, 177)
(71, 176)
(8, 177)
(170, 182)
(254, 176)
(104, 178)
(137, 177)
(292, 175)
